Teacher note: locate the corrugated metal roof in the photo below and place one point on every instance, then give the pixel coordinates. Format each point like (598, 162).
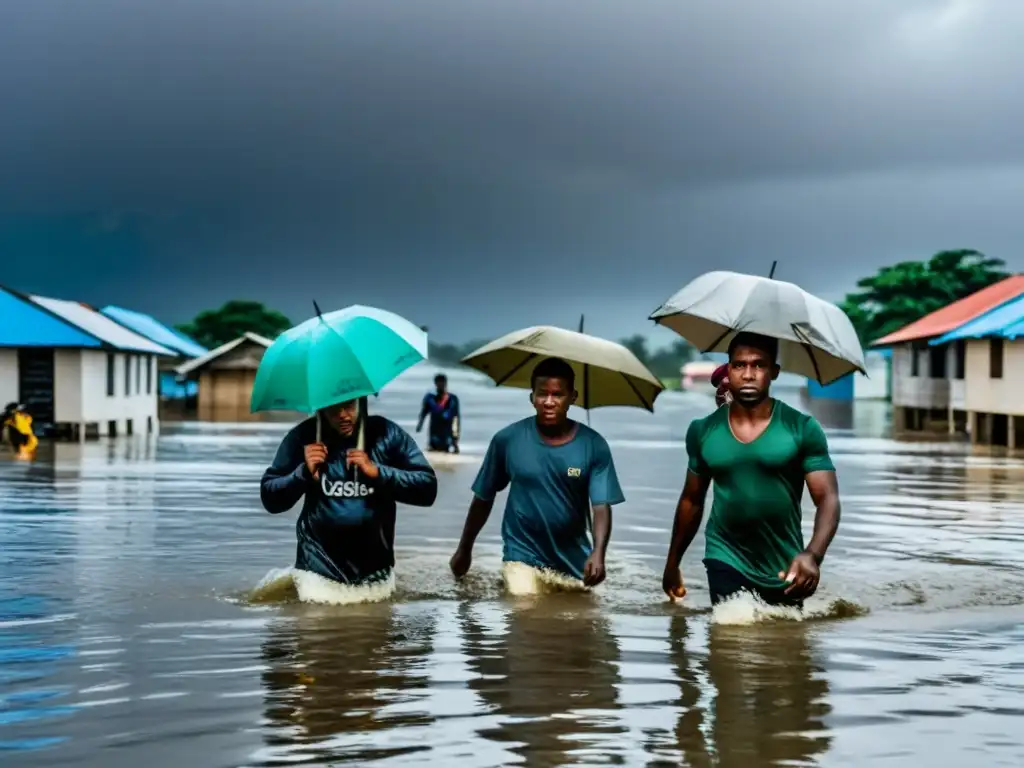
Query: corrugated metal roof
(101, 326)
(154, 330)
(186, 368)
(954, 315)
(23, 324)
(1005, 321)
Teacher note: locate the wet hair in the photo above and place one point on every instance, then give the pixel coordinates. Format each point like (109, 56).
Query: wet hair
(765, 344)
(553, 368)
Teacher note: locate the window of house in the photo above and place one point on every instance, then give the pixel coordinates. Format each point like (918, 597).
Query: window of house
(110, 374)
(149, 374)
(915, 360)
(937, 361)
(959, 358)
(995, 358)
(127, 375)
(138, 375)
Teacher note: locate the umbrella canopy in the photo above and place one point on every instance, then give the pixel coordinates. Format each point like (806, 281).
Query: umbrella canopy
(817, 339)
(606, 373)
(336, 357)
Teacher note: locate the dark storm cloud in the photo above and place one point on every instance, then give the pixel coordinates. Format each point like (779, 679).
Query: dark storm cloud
(621, 146)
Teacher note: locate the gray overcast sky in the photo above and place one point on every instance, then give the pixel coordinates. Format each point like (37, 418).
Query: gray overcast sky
(480, 166)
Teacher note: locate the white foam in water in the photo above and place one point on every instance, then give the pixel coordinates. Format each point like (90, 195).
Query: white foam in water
(523, 579)
(438, 459)
(314, 588)
(744, 608)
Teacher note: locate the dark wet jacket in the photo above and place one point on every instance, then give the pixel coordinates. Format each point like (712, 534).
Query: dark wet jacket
(346, 530)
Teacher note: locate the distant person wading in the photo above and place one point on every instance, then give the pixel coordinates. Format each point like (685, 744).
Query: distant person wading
(443, 409)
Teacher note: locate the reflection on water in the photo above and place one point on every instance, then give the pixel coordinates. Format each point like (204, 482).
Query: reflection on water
(32, 703)
(551, 674)
(127, 636)
(334, 683)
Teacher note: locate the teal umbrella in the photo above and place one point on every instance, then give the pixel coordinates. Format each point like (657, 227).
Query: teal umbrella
(334, 358)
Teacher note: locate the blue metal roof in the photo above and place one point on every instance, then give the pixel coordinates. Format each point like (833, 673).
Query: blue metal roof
(154, 330)
(1005, 321)
(25, 324)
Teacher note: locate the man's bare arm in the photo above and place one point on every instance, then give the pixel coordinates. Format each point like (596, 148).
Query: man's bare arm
(824, 489)
(689, 513)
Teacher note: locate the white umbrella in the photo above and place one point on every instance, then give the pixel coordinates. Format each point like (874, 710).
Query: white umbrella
(817, 339)
(606, 373)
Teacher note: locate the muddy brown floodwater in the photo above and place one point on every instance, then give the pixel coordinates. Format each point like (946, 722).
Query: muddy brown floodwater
(129, 636)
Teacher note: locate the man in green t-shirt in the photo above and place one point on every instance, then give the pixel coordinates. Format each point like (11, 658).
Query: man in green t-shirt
(759, 452)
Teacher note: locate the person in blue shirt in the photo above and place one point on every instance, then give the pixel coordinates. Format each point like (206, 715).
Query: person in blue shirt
(443, 408)
(346, 529)
(556, 470)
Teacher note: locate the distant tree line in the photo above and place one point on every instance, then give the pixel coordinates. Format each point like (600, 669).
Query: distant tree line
(213, 327)
(884, 302)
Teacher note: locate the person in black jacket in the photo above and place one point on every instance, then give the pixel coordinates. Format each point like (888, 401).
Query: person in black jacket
(346, 529)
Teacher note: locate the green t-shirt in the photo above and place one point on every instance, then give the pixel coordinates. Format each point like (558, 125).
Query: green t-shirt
(754, 524)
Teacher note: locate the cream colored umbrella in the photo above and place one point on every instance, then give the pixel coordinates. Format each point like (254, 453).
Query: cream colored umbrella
(606, 373)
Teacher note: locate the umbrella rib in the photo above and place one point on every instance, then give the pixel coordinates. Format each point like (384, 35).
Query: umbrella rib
(728, 330)
(636, 392)
(515, 370)
(809, 349)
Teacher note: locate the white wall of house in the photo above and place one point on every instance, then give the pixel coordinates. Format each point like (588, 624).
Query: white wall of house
(129, 401)
(8, 376)
(80, 388)
(985, 394)
(67, 385)
(874, 386)
(920, 391)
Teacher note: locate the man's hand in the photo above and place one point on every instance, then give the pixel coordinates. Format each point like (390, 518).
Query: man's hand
(672, 583)
(315, 455)
(593, 571)
(460, 562)
(361, 461)
(802, 576)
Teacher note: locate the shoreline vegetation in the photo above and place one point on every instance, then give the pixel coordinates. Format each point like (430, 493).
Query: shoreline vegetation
(894, 296)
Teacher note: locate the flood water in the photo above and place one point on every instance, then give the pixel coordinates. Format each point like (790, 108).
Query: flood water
(128, 636)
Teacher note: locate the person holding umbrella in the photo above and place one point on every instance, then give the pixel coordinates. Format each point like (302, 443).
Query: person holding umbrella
(346, 529)
(556, 470)
(759, 452)
(353, 473)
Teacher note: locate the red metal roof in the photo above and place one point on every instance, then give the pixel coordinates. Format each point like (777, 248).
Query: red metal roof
(956, 314)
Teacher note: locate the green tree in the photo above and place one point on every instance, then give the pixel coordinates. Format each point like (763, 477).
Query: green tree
(902, 293)
(667, 361)
(637, 344)
(664, 362)
(213, 327)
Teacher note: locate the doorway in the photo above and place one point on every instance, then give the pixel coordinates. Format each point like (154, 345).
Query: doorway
(35, 385)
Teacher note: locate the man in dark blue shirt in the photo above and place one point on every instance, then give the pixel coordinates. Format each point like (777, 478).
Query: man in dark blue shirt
(346, 529)
(443, 408)
(556, 470)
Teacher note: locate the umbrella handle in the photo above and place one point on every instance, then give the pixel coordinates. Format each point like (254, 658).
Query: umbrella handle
(360, 440)
(318, 429)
